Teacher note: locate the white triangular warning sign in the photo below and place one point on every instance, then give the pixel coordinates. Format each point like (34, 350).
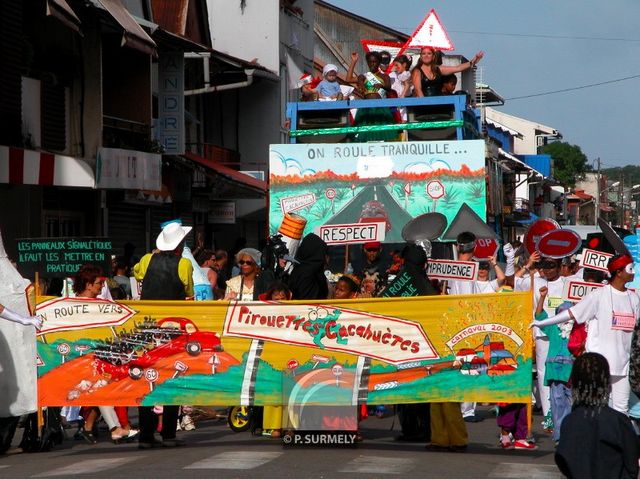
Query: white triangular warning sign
(39, 361)
(430, 33)
(376, 46)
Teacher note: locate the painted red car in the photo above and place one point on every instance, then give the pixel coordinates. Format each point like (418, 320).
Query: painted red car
(131, 354)
(374, 211)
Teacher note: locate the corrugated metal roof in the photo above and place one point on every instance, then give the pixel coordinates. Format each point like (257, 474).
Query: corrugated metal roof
(171, 15)
(344, 30)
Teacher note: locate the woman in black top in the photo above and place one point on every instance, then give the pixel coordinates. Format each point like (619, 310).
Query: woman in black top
(428, 72)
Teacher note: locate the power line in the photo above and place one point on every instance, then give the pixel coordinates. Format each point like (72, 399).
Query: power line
(564, 37)
(539, 35)
(582, 87)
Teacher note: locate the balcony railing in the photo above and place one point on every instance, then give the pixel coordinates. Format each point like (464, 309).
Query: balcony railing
(427, 118)
(521, 204)
(217, 154)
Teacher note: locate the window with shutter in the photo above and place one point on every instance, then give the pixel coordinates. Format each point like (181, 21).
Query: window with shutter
(54, 118)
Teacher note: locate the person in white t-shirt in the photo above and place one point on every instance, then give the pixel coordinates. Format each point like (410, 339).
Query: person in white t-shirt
(551, 279)
(611, 313)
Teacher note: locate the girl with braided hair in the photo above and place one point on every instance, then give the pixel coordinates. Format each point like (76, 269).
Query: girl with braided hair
(596, 441)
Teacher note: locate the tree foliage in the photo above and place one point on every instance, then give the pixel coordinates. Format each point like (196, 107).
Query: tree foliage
(629, 174)
(569, 162)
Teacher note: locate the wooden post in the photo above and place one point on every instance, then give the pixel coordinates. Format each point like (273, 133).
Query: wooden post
(346, 258)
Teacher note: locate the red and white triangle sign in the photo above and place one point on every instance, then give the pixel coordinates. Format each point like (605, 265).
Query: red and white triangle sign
(430, 33)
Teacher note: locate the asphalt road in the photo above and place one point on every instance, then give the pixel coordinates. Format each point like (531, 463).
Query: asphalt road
(397, 216)
(213, 450)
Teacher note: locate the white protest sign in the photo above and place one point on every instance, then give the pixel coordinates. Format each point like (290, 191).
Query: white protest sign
(389, 339)
(68, 314)
(576, 290)
(293, 203)
(353, 233)
(458, 270)
(595, 259)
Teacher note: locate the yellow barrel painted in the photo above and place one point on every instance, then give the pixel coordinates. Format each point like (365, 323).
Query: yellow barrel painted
(292, 225)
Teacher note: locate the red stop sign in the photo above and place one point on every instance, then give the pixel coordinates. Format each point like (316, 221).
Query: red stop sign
(292, 364)
(559, 243)
(536, 231)
(485, 248)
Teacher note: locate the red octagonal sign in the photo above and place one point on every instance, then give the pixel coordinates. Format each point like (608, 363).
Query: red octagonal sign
(485, 248)
(536, 231)
(559, 243)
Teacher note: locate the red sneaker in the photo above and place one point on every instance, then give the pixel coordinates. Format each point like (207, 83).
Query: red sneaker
(524, 444)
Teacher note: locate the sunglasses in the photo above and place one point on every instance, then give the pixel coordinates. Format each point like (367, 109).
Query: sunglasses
(372, 250)
(243, 262)
(548, 265)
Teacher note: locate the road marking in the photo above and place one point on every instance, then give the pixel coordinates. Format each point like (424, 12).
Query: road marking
(524, 470)
(235, 460)
(378, 465)
(89, 466)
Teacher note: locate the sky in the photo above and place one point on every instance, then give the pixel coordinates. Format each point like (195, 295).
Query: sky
(541, 46)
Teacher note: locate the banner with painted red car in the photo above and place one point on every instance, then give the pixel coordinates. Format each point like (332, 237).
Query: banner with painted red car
(378, 351)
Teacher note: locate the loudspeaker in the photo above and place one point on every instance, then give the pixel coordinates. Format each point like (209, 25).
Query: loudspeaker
(313, 119)
(422, 113)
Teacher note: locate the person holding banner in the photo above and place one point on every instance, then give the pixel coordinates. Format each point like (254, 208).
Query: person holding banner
(6, 313)
(611, 314)
(166, 275)
(18, 376)
(88, 283)
(554, 283)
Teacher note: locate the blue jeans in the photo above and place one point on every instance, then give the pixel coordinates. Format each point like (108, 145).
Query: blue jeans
(560, 405)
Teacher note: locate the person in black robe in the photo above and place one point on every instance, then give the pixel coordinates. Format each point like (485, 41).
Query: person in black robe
(307, 280)
(412, 280)
(596, 442)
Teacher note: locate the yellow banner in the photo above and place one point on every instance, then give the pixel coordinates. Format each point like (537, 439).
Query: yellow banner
(375, 351)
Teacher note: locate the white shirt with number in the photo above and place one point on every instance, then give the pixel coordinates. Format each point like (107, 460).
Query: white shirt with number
(606, 335)
(554, 299)
(473, 287)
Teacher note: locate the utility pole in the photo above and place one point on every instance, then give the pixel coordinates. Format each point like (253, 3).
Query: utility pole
(621, 200)
(597, 202)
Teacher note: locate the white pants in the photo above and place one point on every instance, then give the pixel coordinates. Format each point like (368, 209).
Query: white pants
(468, 409)
(620, 392)
(542, 350)
(110, 417)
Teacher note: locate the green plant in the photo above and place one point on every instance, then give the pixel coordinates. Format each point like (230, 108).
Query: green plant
(475, 191)
(450, 198)
(322, 210)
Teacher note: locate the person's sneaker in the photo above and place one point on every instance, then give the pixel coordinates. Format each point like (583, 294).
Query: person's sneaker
(506, 441)
(172, 443)
(547, 423)
(149, 445)
(524, 444)
(187, 423)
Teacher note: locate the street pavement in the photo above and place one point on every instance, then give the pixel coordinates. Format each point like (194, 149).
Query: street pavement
(213, 450)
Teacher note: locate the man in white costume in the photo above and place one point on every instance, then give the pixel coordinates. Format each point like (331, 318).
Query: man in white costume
(18, 379)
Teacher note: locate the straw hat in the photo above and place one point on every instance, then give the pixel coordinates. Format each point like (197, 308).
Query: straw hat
(171, 236)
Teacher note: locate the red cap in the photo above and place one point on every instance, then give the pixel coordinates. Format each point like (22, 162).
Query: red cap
(618, 263)
(373, 245)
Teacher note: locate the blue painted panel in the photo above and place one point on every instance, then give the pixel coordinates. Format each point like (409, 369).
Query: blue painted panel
(541, 163)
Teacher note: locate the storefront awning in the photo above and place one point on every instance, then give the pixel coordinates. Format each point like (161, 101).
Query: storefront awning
(133, 35)
(235, 176)
(60, 10)
(518, 161)
(27, 167)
